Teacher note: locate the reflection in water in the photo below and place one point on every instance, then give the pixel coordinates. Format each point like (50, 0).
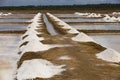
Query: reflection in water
(108, 40)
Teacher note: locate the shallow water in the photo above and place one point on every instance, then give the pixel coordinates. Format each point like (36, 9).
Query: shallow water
(8, 27)
(96, 27)
(77, 18)
(9, 44)
(14, 20)
(82, 20)
(17, 16)
(49, 26)
(7, 68)
(8, 55)
(67, 15)
(108, 40)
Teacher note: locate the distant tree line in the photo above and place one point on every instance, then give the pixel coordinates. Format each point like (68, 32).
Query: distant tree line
(65, 7)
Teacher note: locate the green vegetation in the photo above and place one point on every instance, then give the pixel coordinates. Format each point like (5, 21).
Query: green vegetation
(65, 7)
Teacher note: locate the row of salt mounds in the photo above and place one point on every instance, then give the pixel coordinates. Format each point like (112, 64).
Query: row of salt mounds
(36, 68)
(94, 15)
(89, 14)
(116, 13)
(80, 35)
(5, 14)
(107, 18)
(108, 55)
(63, 24)
(82, 14)
(33, 40)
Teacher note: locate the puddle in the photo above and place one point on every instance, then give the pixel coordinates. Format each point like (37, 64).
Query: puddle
(108, 40)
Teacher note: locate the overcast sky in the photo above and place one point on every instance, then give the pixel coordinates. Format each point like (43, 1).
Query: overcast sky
(53, 2)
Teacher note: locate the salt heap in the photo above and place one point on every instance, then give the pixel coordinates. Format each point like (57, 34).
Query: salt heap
(94, 15)
(64, 25)
(79, 37)
(82, 37)
(82, 14)
(34, 44)
(116, 13)
(38, 68)
(107, 18)
(109, 55)
(3, 14)
(88, 14)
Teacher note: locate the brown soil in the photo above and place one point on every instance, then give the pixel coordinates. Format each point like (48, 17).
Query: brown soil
(100, 31)
(83, 64)
(13, 32)
(93, 23)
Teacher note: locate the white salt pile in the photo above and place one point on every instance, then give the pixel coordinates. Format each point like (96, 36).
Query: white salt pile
(73, 31)
(64, 25)
(82, 14)
(33, 40)
(88, 14)
(94, 15)
(116, 13)
(82, 38)
(35, 46)
(5, 14)
(109, 55)
(107, 18)
(38, 68)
